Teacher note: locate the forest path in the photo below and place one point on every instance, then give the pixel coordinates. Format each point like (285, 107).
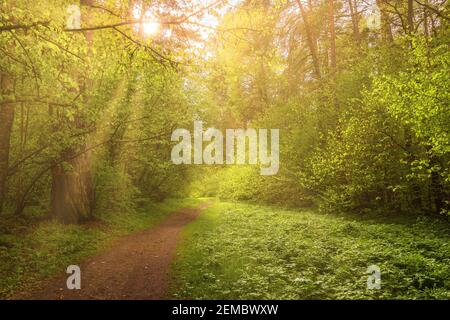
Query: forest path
(135, 267)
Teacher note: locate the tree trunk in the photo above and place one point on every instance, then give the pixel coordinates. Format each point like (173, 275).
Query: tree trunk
(332, 35)
(355, 21)
(6, 123)
(410, 16)
(72, 194)
(386, 31)
(436, 187)
(311, 41)
(72, 191)
(426, 31)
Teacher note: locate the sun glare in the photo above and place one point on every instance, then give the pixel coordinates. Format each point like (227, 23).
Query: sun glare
(151, 28)
(149, 25)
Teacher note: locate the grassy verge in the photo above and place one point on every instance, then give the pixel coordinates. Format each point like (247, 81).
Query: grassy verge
(241, 251)
(31, 253)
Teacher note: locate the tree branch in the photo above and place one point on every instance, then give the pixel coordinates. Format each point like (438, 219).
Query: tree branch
(431, 8)
(23, 26)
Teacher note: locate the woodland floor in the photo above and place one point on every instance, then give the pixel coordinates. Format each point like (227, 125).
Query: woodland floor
(135, 267)
(245, 251)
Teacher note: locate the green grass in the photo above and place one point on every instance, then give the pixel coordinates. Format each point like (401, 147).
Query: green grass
(29, 253)
(242, 251)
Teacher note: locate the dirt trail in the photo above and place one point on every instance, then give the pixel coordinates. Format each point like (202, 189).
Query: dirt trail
(135, 267)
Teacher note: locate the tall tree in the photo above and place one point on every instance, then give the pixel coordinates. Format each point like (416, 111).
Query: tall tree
(355, 20)
(7, 111)
(6, 122)
(410, 16)
(386, 30)
(72, 193)
(332, 34)
(310, 39)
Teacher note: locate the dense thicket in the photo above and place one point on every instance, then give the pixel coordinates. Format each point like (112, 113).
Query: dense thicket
(360, 92)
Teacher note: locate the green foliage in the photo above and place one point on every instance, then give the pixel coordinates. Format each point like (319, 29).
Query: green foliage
(114, 190)
(244, 183)
(390, 149)
(239, 251)
(372, 136)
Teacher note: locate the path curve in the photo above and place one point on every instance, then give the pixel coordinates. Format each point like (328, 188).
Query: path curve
(136, 267)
